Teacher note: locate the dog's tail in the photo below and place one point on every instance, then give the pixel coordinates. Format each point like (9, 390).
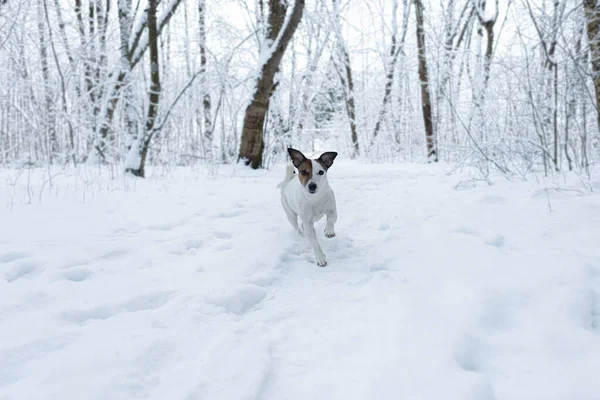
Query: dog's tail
(289, 174)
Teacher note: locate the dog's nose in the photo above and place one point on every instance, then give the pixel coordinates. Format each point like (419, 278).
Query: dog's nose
(312, 187)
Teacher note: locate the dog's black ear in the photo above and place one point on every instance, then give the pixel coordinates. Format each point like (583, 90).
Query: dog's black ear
(297, 157)
(326, 159)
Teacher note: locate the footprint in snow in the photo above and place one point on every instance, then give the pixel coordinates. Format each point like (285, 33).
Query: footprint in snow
(239, 300)
(115, 253)
(384, 226)
(188, 247)
(222, 235)
(13, 256)
(494, 239)
(12, 359)
(588, 310)
(466, 230)
(224, 247)
(499, 309)
(380, 266)
(593, 272)
(193, 244)
(77, 274)
(144, 302)
(167, 226)
(493, 199)
(229, 214)
(19, 271)
(467, 353)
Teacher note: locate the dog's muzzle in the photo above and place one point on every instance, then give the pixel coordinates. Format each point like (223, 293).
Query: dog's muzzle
(312, 187)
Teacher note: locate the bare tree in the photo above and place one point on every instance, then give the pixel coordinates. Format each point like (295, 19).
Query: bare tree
(396, 48)
(279, 36)
(207, 141)
(432, 154)
(49, 111)
(592, 16)
(549, 40)
(456, 33)
(137, 48)
(139, 149)
(344, 69)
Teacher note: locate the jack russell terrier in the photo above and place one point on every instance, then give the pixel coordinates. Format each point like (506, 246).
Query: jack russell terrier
(309, 197)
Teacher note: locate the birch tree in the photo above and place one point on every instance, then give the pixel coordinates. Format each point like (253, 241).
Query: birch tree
(207, 137)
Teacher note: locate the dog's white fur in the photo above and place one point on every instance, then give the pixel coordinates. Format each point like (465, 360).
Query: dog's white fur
(299, 201)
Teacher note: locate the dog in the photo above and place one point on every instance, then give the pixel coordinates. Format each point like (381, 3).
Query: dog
(309, 197)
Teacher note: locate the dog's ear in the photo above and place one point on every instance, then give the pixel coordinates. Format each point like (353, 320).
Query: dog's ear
(326, 159)
(297, 157)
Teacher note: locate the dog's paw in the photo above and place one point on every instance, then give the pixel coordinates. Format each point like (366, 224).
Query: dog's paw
(329, 233)
(321, 260)
(300, 232)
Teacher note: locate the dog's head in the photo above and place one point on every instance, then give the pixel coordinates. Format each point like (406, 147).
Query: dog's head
(312, 173)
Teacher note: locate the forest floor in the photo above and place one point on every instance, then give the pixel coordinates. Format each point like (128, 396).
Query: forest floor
(192, 285)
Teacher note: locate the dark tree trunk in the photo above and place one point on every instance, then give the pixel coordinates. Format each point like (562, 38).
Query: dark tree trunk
(592, 16)
(432, 153)
(252, 146)
(143, 144)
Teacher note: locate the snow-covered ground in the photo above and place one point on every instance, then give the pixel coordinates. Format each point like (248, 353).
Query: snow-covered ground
(194, 286)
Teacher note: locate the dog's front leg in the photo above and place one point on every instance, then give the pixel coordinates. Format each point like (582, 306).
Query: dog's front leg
(309, 229)
(331, 218)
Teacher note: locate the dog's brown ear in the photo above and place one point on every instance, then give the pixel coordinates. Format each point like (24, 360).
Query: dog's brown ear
(297, 157)
(326, 159)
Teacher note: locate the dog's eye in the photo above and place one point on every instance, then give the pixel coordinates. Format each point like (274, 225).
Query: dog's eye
(321, 172)
(303, 172)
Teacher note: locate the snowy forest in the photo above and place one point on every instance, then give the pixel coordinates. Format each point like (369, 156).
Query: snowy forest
(299, 199)
(505, 85)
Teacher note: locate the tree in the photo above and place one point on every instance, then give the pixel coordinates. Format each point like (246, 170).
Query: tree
(49, 110)
(278, 38)
(136, 160)
(592, 15)
(138, 45)
(396, 48)
(345, 72)
(207, 137)
(432, 153)
(549, 40)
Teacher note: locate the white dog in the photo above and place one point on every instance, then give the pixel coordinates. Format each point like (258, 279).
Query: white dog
(309, 197)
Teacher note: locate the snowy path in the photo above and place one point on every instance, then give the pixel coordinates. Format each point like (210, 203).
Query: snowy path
(199, 289)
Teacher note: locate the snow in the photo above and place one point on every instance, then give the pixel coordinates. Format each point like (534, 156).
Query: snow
(192, 285)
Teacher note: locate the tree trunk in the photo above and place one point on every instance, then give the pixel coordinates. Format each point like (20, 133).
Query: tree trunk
(549, 41)
(432, 154)
(251, 149)
(592, 16)
(347, 79)
(129, 112)
(395, 50)
(207, 139)
(49, 112)
(136, 52)
(139, 150)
